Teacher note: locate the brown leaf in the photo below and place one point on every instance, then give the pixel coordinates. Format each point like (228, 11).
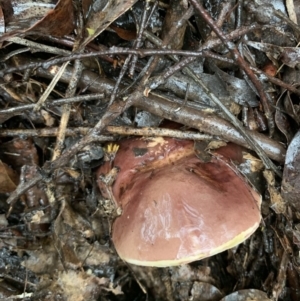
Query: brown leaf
(57, 22)
(24, 13)
(102, 17)
(291, 175)
(8, 178)
(19, 152)
(124, 34)
(26, 16)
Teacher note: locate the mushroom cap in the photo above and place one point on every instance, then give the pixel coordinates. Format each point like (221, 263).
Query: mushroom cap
(176, 208)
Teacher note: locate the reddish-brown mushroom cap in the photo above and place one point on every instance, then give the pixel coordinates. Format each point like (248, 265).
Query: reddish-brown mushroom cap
(176, 208)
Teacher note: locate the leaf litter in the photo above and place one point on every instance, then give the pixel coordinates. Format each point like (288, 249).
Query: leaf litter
(144, 68)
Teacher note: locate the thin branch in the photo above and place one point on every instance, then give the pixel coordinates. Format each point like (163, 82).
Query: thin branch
(141, 27)
(73, 84)
(115, 130)
(37, 47)
(159, 80)
(50, 87)
(166, 41)
(216, 126)
(140, 52)
(54, 103)
(277, 81)
(66, 111)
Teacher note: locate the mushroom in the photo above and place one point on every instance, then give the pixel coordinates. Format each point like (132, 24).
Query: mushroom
(177, 208)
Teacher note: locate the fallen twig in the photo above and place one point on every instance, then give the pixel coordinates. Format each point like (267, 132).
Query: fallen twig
(115, 130)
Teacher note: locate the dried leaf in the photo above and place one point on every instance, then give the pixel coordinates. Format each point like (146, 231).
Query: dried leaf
(215, 144)
(102, 16)
(2, 23)
(205, 292)
(9, 179)
(43, 16)
(19, 152)
(43, 261)
(291, 108)
(278, 204)
(255, 163)
(290, 56)
(22, 14)
(238, 89)
(296, 235)
(57, 22)
(246, 295)
(291, 10)
(144, 118)
(124, 34)
(283, 123)
(49, 120)
(79, 286)
(291, 174)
